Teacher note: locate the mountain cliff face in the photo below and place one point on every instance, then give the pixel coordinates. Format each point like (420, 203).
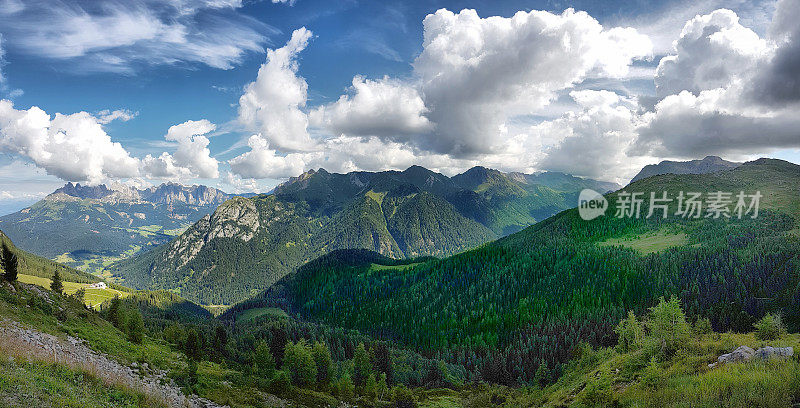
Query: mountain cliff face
(90, 226)
(709, 164)
(247, 244)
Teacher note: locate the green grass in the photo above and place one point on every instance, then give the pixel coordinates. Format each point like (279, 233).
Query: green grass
(649, 243)
(93, 297)
(609, 378)
(251, 314)
(44, 385)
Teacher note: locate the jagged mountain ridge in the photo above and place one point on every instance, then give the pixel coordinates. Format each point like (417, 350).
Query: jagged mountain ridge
(89, 226)
(708, 164)
(248, 244)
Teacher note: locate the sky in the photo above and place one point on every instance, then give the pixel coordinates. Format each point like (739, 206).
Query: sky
(242, 94)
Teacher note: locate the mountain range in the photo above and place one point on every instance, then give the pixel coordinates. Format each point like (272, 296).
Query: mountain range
(534, 296)
(88, 227)
(708, 164)
(247, 244)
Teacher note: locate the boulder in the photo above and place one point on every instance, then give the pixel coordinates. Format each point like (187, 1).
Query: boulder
(774, 352)
(742, 353)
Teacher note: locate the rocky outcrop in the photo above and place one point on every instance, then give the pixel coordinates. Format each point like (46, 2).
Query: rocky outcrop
(774, 352)
(75, 354)
(744, 354)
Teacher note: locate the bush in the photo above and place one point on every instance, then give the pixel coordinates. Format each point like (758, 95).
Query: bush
(630, 333)
(135, 327)
(280, 383)
(702, 326)
(402, 397)
(770, 327)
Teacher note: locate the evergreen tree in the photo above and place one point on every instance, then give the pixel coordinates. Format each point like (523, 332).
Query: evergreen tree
(668, 324)
(10, 263)
(56, 285)
(135, 327)
(382, 390)
(220, 339)
(193, 346)
(629, 332)
(262, 357)
(324, 362)
(361, 365)
(299, 362)
(114, 313)
(80, 295)
(371, 387)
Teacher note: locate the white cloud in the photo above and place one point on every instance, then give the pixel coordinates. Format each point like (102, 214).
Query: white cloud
(72, 147)
(192, 157)
(263, 162)
(591, 142)
(712, 51)
(273, 104)
(741, 94)
(477, 72)
(115, 35)
(107, 116)
(387, 108)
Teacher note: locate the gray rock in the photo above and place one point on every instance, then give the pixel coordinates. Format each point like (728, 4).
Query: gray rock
(741, 354)
(774, 352)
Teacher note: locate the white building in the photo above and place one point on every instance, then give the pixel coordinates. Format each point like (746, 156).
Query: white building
(98, 285)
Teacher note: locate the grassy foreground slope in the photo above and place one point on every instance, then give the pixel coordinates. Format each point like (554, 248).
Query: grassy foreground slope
(523, 304)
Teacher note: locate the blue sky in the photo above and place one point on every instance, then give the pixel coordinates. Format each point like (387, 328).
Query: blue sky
(161, 64)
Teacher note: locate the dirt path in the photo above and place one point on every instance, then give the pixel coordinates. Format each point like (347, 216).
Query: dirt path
(34, 345)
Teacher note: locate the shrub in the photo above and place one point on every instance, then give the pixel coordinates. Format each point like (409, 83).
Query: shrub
(702, 326)
(630, 333)
(402, 397)
(280, 383)
(770, 327)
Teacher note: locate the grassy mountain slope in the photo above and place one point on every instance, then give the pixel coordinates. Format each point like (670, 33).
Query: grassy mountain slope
(90, 227)
(527, 300)
(248, 244)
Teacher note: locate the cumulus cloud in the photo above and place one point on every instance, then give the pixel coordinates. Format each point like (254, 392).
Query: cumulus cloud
(729, 90)
(273, 104)
(778, 82)
(591, 142)
(192, 157)
(387, 108)
(263, 162)
(115, 35)
(476, 72)
(713, 50)
(72, 147)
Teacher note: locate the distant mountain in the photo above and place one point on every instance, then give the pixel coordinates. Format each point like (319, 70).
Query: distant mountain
(88, 227)
(248, 244)
(528, 301)
(709, 164)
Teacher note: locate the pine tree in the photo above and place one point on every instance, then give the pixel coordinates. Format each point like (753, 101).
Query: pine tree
(10, 263)
(135, 326)
(56, 285)
(324, 361)
(361, 365)
(262, 357)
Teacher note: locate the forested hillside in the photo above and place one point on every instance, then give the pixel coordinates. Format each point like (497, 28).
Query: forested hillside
(521, 305)
(90, 227)
(248, 244)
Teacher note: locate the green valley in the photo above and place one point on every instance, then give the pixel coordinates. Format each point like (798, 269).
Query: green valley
(248, 244)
